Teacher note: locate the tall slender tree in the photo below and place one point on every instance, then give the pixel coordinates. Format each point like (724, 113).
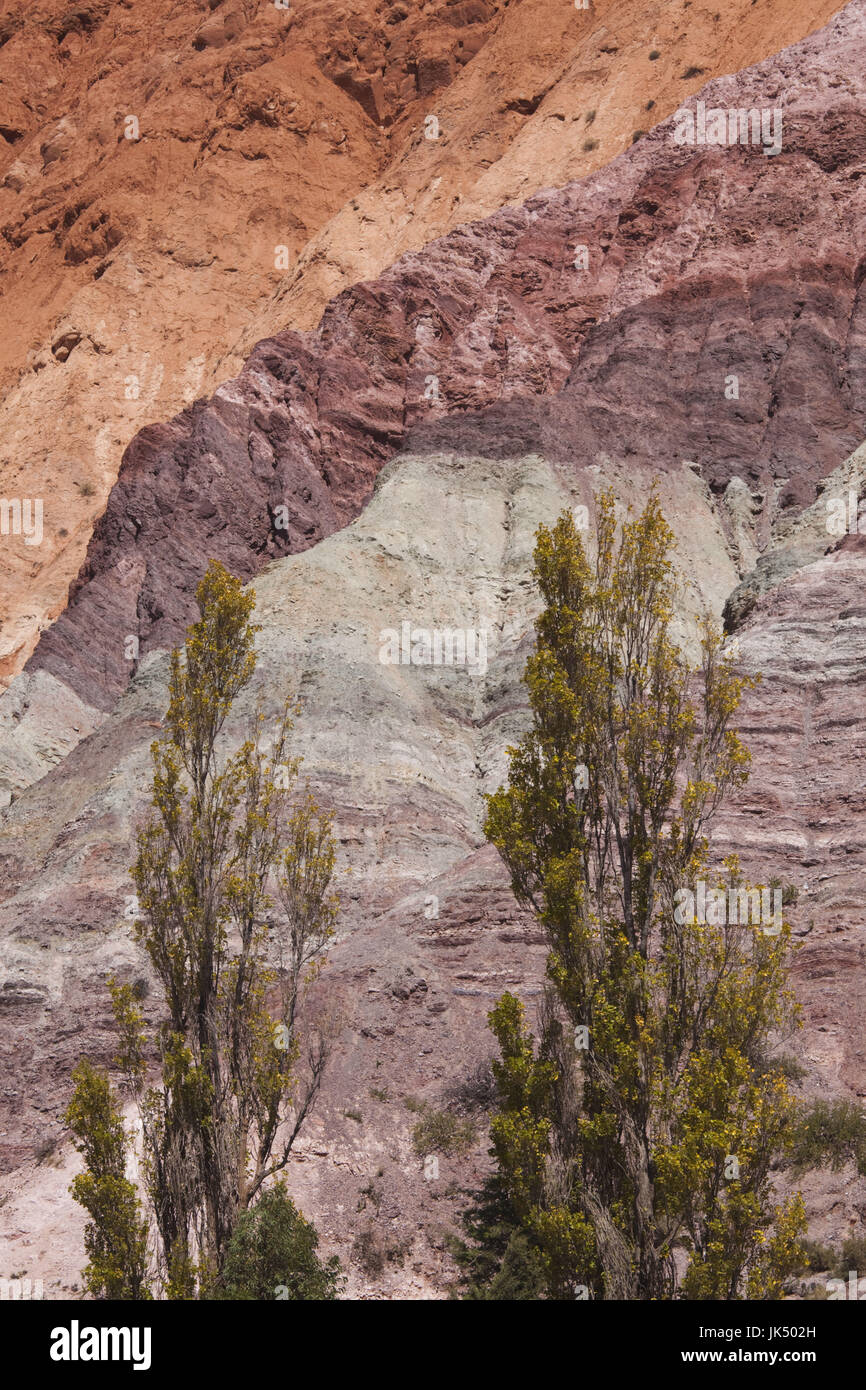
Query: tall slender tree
(635, 1138)
(233, 879)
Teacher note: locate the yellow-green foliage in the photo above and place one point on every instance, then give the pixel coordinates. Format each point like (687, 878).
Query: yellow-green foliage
(115, 1236)
(659, 1133)
(233, 878)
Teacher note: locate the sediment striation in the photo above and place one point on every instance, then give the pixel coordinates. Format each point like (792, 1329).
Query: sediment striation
(686, 315)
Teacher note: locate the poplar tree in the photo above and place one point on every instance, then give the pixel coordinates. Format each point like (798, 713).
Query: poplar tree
(235, 911)
(636, 1136)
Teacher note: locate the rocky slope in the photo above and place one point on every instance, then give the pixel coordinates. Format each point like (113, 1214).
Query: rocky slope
(161, 167)
(180, 179)
(804, 811)
(429, 933)
(720, 321)
(556, 93)
(702, 264)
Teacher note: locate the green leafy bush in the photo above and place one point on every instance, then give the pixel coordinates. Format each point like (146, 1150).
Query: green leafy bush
(829, 1135)
(272, 1254)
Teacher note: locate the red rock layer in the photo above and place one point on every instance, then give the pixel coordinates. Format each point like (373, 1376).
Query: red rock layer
(703, 262)
(182, 178)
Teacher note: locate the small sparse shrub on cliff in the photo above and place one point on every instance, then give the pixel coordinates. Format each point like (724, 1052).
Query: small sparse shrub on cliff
(47, 1148)
(830, 1134)
(369, 1251)
(654, 55)
(783, 1064)
(817, 1258)
(589, 145)
(636, 1138)
(370, 1194)
(477, 1091)
(235, 912)
(439, 1132)
(692, 72)
(834, 1263)
(373, 1251)
(853, 1255)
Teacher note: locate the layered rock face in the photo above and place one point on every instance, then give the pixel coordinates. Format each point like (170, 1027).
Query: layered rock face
(804, 812)
(429, 933)
(557, 92)
(403, 454)
(402, 753)
(178, 180)
(687, 303)
(161, 167)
